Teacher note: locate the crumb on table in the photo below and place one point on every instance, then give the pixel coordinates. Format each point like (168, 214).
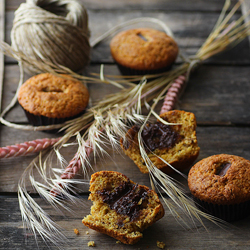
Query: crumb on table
(76, 231)
(87, 232)
(91, 244)
(160, 244)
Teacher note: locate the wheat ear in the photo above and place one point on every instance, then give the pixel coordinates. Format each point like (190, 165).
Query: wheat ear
(173, 94)
(71, 170)
(26, 148)
(75, 164)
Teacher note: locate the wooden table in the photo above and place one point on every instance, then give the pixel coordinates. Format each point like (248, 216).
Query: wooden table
(218, 93)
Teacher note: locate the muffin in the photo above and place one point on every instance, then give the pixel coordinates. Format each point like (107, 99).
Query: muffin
(175, 144)
(49, 99)
(220, 185)
(121, 208)
(143, 51)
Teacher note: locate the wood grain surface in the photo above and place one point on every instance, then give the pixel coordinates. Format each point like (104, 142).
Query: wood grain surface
(218, 93)
(2, 35)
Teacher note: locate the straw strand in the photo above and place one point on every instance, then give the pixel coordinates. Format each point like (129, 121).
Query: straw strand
(72, 169)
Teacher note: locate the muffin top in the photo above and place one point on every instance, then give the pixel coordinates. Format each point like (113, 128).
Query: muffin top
(221, 179)
(53, 96)
(143, 49)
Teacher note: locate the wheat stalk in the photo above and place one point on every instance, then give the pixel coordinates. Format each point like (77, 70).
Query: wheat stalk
(113, 115)
(173, 94)
(26, 148)
(33, 216)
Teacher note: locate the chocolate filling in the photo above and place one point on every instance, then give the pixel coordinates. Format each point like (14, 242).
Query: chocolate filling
(159, 136)
(53, 89)
(222, 170)
(126, 199)
(142, 37)
(131, 134)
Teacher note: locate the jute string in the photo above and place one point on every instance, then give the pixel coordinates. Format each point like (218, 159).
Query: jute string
(54, 31)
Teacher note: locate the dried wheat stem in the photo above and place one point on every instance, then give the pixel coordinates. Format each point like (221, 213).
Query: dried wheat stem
(76, 163)
(173, 94)
(27, 147)
(131, 22)
(72, 169)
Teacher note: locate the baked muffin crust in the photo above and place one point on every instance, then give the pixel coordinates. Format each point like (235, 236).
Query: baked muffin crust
(53, 96)
(221, 179)
(143, 49)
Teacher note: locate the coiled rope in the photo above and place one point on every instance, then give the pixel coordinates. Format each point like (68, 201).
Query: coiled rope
(52, 31)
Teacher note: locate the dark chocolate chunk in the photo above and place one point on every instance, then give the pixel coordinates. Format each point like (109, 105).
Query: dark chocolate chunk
(127, 199)
(159, 135)
(142, 37)
(154, 135)
(130, 137)
(223, 169)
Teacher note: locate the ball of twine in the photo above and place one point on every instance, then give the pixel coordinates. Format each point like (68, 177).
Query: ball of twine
(54, 31)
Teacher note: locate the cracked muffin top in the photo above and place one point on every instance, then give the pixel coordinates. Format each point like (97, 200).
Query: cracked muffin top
(221, 179)
(53, 96)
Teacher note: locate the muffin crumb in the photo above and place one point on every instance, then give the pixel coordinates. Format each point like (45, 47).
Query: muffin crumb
(112, 214)
(160, 244)
(76, 231)
(87, 232)
(91, 243)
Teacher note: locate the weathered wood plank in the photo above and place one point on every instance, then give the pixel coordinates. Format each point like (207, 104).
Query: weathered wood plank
(245, 10)
(216, 94)
(190, 30)
(2, 35)
(14, 237)
(212, 140)
(212, 94)
(169, 5)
